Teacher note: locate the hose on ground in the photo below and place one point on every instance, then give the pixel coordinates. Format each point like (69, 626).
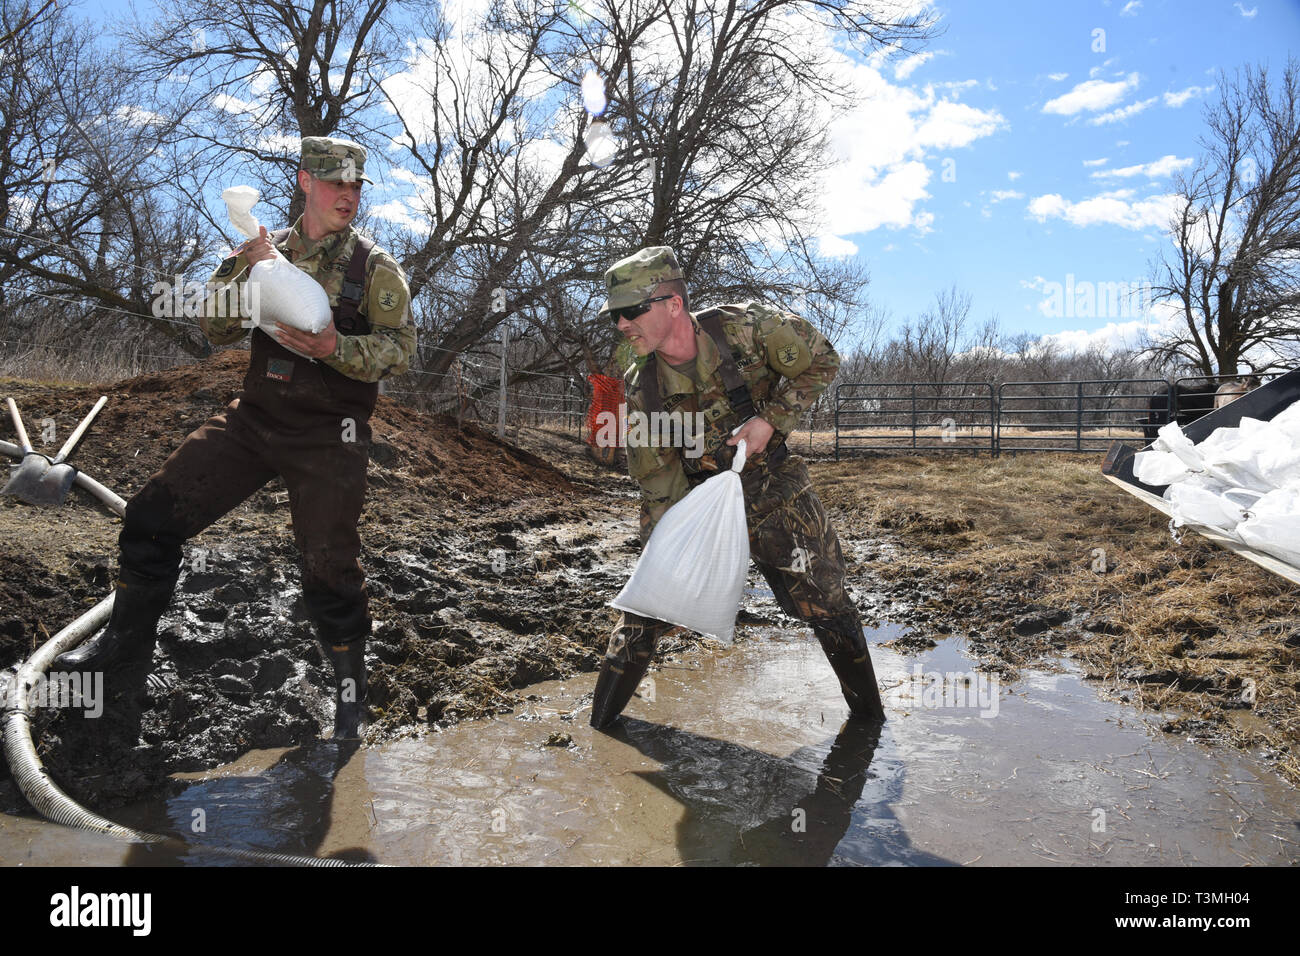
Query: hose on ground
(29, 773)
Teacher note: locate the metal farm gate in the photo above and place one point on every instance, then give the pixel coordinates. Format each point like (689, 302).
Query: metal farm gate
(916, 416)
(1073, 416)
(978, 416)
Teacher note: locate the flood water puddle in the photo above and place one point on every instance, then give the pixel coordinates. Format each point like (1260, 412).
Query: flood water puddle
(742, 756)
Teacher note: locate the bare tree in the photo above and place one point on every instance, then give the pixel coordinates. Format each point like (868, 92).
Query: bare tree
(254, 76)
(88, 222)
(1234, 272)
(710, 107)
(929, 346)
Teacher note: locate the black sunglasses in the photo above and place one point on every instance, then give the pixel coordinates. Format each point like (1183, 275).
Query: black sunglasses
(634, 312)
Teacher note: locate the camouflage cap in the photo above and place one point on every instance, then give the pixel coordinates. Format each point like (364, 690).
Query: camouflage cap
(634, 279)
(334, 160)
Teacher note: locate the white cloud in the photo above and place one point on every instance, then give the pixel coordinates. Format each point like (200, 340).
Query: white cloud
(1000, 195)
(909, 66)
(955, 87)
(232, 104)
(1123, 113)
(1131, 8)
(1176, 100)
(1100, 68)
(833, 247)
(951, 125)
(1111, 337)
(1164, 166)
(400, 212)
(1097, 162)
(135, 116)
(1091, 95)
(1110, 208)
(1248, 14)
(1057, 77)
(1013, 175)
(881, 146)
(858, 205)
(280, 144)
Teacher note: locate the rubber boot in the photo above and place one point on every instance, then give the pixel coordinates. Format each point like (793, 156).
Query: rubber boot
(351, 713)
(631, 648)
(845, 647)
(128, 640)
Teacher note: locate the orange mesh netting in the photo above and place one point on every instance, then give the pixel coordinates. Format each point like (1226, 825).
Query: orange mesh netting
(606, 396)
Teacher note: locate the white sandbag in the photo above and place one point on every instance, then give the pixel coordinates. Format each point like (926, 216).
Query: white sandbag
(1206, 503)
(276, 290)
(1273, 525)
(1243, 480)
(693, 568)
(239, 202)
(1159, 468)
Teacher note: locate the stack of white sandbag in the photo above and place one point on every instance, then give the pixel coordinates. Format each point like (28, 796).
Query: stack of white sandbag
(1243, 481)
(276, 290)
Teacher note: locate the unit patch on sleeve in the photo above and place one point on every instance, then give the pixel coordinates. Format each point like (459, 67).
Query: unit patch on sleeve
(787, 352)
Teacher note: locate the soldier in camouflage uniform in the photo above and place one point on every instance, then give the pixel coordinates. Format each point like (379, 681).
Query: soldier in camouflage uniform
(779, 364)
(303, 417)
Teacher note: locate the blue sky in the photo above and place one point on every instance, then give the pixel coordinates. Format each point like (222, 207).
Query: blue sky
(1024, 148)
(1054, 126)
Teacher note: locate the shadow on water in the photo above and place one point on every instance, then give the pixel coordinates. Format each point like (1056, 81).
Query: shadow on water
(287, 808)
(790, 815)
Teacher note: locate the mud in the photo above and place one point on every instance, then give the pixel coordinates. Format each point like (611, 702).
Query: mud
(741, 756)
(488, 565)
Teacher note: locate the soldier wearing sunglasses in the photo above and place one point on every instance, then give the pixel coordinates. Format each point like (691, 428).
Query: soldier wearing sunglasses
(756, 367)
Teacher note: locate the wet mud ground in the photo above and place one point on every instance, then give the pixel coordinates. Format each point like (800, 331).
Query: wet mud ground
(736, 756)
(488, 568)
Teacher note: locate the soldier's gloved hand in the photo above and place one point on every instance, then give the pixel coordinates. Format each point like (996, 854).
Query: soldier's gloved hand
(315, 346)
(756, 432)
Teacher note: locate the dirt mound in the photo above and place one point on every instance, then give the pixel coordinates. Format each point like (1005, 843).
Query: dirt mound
(148, 416)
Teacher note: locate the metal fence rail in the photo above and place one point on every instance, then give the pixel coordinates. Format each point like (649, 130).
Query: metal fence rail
(1072, 416)
(1014, 416)
(955, 416)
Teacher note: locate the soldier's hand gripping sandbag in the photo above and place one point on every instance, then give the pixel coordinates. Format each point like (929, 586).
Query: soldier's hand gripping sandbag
(693, 568)
(275, 290)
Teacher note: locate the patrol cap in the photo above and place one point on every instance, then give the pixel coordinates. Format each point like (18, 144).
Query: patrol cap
(334, 160)
(633, 280)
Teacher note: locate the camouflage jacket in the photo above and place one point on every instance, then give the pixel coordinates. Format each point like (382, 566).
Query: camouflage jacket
(783, 359)
(385, 302)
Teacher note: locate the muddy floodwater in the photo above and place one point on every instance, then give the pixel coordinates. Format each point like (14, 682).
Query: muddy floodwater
(741, 755)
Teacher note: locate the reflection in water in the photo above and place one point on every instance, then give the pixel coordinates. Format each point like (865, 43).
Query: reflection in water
(285, 809)
(789, 816)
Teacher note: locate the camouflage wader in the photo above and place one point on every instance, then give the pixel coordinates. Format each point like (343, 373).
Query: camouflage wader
(798, 553)
(751, 360)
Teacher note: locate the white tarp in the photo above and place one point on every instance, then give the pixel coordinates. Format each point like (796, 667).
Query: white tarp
(1243, 481)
